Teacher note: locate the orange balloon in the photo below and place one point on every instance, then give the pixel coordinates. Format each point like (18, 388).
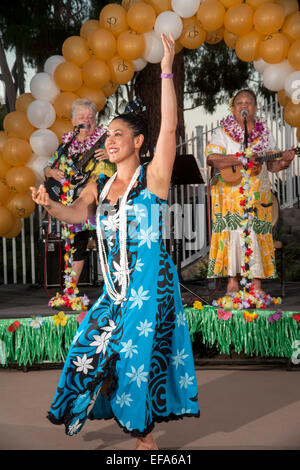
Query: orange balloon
(23, 101)
(256, 3)
(291, 26)
(5, 192)
(4, 167)
(68, 76)
(16, 152)
(62, 104)
(15, 230)
(21, 205)
(239, 19)
(283, 98)
(110, 88)
(230, 39)
(274, 48)
(75, 49)
(127, 3)
(103, 44)
(122, 71)
(61, 127)
(230, 3)
(298, 134)
(289, 6)
(113, 18)
(268, 18)
(294, 55)
(291, 114)
(20, 178)
(211, 15)
(88, 28)
(96, 73)
(97, 96)
(16, 124)
(6, 220)
(193, 35)
(247, 46)
(213, 37)
(131, 45)
(160, 5)
(3, 139)
(141, 17)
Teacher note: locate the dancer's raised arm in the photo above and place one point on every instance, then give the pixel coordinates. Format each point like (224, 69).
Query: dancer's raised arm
(160, 169)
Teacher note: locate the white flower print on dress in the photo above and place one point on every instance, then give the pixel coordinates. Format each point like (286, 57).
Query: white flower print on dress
(185, 381)
(148, 236)
(83, 364)
(124, 399)
(180, 317)
(138, 297)
(112, 223)
(129, 349)
(137, 375)
(145, 328)
(138, 265)
(179, 359)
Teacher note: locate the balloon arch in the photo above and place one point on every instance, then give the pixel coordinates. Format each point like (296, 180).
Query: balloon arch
(110, 50)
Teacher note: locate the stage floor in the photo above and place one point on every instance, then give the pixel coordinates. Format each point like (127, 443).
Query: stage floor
(23, 301)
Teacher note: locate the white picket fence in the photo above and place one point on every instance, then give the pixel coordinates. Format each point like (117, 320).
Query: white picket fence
(187, 230)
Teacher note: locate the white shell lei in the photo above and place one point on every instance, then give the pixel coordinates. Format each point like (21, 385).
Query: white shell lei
(117, 297)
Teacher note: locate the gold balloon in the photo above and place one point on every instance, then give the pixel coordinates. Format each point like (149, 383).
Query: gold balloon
(211, 15)
(268, 18)
(213, 37)
(23, 101)
(61, 127)
(16, 152)
(3, 139)
(4, 167)
(294, 55)
(291, 26)
(110, 88)
(5, 192)
(97, 96)
(239, 19)
(160, 5)
(298, 134)
(131, 45)
(88, 28)
(20, 178)
(75, 49)
(6, 220)
(141, 17)
(289, 6)
(68, 76)
(21, 205)
(16, 124)
(113, 18)
(274, 48)
(283, 98)
(62, 104)
(193, 35)
(230, 39)
(247, 46)
(103, 44)
(15, 229)
(256, 3)
(230, 3)
(96, 73)
(291, 114)
(122, 71)
(127, 3)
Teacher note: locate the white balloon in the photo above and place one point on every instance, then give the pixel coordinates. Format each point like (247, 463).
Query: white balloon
(154, 49)
(43, 142)
(139, 64)
(292, 84)
(37, 164)
(168, 22)
(185, 8)
(41, 114)
(260, 65)
(52, 62)
(43, 87)
(274, 75)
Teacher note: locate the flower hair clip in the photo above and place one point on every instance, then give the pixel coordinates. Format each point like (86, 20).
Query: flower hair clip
(231, 104)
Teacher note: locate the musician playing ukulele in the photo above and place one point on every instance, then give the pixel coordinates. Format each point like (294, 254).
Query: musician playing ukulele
(83, 114)
(226, 144)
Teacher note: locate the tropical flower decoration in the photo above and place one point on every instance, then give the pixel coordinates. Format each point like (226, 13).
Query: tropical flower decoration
(14, 326)
(249, 317)
(36, 322)
(223, 315)
(197, 304)
(60, 319)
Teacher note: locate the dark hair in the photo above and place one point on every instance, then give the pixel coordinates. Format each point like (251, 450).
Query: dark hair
(246, 90)
(138, 125)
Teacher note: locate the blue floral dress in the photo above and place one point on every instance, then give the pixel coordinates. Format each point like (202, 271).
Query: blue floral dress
(140, 349)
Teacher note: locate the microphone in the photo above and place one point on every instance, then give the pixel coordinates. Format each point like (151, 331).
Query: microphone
(82, 125)
(244, 113)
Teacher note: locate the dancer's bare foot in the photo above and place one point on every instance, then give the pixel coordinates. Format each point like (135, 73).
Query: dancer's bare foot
(257, 285)
(233, 285)
(146, 443)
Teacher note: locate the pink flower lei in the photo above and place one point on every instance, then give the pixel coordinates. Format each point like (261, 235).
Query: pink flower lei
(258, 139)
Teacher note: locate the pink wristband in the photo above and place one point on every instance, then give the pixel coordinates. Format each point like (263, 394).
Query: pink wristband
(166, 75)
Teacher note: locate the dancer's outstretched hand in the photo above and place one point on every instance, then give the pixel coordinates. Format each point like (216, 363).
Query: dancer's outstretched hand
(169, 53)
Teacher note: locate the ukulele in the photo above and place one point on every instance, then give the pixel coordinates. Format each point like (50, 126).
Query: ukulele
(81, 169)
(233, 174)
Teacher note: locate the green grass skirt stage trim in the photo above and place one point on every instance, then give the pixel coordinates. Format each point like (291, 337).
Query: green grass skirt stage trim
(24, 345)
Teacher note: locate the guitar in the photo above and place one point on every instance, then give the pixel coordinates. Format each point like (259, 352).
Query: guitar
(81, 169)
(233, 174)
